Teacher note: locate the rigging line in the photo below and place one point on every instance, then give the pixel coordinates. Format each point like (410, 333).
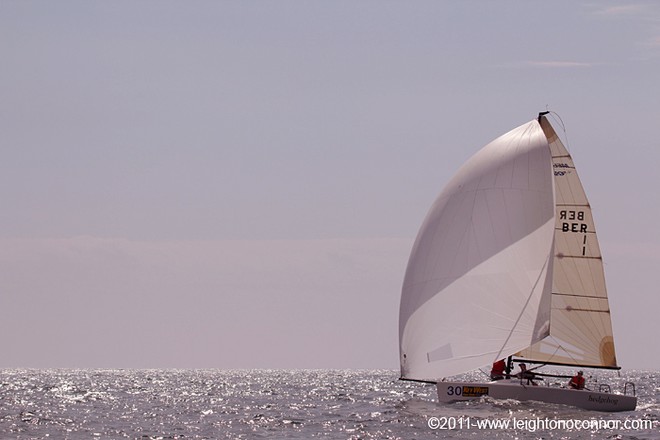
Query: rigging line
(551, 356)
(563, 376)
(545, 264)
(565, 351)
(546, 363)
(556, 118)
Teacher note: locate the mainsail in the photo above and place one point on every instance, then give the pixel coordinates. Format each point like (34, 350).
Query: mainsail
(581, 329)
(504, 263)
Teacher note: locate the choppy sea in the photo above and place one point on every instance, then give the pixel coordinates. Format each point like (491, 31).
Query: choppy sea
(289, 404)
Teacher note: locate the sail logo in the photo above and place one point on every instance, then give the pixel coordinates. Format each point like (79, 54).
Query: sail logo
(472, 391)
(566, 169)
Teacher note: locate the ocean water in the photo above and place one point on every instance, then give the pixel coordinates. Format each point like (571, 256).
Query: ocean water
(287, 404)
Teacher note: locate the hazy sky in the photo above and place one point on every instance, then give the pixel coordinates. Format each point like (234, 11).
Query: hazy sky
(238, 184)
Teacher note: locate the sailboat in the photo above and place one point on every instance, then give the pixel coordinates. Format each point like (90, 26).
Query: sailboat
(507, 265)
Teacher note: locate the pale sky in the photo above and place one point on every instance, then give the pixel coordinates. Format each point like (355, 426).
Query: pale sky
(238, 184)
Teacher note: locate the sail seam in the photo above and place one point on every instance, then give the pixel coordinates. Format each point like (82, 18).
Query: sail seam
(586, 232)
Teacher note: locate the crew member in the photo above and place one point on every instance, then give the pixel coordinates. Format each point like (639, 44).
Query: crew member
(577, 382)
(525, 374)
(497, 372)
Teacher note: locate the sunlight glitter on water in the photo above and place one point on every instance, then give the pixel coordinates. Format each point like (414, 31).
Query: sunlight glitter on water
(209, 404)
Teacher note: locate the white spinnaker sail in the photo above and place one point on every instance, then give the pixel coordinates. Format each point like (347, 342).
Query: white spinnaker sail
(580, 325)
(477, 285)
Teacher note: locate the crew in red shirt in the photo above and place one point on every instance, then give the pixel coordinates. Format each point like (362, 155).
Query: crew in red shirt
(577, 382)
(497, 372)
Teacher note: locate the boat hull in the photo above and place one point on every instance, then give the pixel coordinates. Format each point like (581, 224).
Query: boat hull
(513, 389)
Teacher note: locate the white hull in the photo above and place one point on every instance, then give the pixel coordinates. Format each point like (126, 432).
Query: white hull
(513, 389)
